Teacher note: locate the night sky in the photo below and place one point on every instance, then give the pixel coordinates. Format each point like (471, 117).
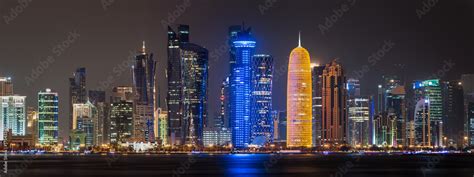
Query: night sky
(104, 37)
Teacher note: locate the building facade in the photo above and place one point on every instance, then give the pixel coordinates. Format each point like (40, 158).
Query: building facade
(48, 113)
(317, 84)
(261, 101)
(121, 122)
(334, 119)
(299, 99)
(6, 86)
(12, 115)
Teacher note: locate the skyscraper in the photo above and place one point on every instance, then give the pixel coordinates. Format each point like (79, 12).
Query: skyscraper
(261, 105)
(359, 121)
(299, 99)
(32, 123)
(334, 121)
(97, 98)
(121, 122)
(144, 102)
(396, 107)
(77, 91)
(175, 84)
(317, 80)
(6, 86)
(467, 81)
(187, 88)
(240, 88)
(48, 111)
(12, 115)
(194, 60)
(422, 124)
(85, 121)
(122, 93)
(453, 110)
(430, 91)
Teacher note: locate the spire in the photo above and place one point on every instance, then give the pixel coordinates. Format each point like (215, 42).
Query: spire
(143, 47)
(299, 39)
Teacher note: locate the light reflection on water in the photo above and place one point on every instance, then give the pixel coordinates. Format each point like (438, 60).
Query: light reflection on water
(251, 165)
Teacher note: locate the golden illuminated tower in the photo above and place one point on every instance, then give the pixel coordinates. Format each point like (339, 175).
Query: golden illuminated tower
(299, 99)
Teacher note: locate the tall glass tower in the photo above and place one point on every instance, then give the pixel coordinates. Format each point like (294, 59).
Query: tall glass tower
(240, 88)
(430, 91)
(77, 91)
(299, 99)
(13, 115)
(48, 117)
(144, 90)
(261, 118)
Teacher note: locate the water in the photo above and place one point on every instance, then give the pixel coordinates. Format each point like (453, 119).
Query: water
(238, 165)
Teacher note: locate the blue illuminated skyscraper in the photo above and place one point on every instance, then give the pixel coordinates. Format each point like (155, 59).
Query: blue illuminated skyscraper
(261, 118)
(240, 88)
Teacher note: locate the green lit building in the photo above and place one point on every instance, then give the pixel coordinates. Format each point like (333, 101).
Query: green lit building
(48, 109)
(430, 91)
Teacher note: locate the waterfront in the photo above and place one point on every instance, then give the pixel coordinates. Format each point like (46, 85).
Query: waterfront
(237, 165)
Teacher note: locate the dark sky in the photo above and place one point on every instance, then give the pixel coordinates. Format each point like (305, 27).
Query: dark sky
(444, 32)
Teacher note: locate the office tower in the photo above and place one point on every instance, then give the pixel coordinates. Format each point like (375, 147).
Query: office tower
(467, 81)
(396, 107)
(359, 121)
(317, 84)
(121, 122)
(453, 109)
(187, 88)
(299, 99)
(334, 121)
(86, 121)
(6, 86)
(430, 91)
(194, 60)
(240, 88)
(12, 115)
(422, 124)
(144, 100)
(384, 130)
(217, 137)
(77, 91)
(97, 98)
(261, 100)
(175, 84)
(32, 123)
(282, 127)
(48, 110)
(122, 93)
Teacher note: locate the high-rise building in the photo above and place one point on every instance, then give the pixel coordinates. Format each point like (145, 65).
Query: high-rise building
(144, 100)
(175, 84)
(396, 107)
(422, 124)
(430, 91)
(163, 127)
(359, 121)
(353, 88)
(299, 99)
(317, 84)
(12, 115)
(121, 122)
(240, 88)
(6, 86)
(261, 101)
(48, 111)
(77, 91)
(334, 120)
(97, 98)
(470, 118)
(282, 127)
(223, 119)
(86, 121)
(453, 109)
(187, 88)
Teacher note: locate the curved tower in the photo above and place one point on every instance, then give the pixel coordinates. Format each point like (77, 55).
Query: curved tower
(299, 99)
